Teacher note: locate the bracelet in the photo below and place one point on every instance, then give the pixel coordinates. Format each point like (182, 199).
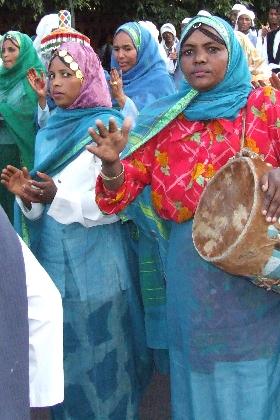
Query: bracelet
(111, 178)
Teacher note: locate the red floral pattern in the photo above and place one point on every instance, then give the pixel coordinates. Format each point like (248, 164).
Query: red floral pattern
(179, 161)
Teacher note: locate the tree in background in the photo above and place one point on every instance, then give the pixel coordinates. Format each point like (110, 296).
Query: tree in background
(22, 14)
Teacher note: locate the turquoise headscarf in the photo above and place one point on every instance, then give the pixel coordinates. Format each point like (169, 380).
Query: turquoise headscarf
(223, 101)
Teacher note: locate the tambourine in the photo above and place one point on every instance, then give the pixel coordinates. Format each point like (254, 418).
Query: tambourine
(229, 229)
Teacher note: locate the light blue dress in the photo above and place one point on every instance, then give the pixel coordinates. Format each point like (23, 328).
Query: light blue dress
(225, 350)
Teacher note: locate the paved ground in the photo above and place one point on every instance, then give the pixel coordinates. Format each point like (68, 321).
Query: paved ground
(155, 405)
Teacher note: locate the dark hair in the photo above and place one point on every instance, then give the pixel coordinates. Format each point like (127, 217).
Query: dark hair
(274, 6)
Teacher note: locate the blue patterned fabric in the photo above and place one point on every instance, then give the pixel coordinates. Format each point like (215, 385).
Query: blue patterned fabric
(148, 80)
(106, 363)
(224, 342)
(152, 236)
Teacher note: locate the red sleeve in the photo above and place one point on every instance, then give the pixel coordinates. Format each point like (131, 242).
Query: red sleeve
(137, 174)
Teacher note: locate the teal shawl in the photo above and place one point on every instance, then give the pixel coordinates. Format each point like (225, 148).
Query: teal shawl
(62, 140)
(223, 101)
(66, 135)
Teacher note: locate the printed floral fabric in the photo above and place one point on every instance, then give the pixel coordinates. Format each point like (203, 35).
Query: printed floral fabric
(179, 161)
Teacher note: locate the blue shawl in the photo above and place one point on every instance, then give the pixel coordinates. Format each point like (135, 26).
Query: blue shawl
(223, 101)
(148, 80)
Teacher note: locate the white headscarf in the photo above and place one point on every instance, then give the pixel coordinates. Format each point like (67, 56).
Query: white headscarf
(44, 28)
(238, 7)
(203, 13)
(246, 12)
(168, 27)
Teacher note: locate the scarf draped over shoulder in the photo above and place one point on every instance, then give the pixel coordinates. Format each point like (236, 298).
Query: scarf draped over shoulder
(20, 118)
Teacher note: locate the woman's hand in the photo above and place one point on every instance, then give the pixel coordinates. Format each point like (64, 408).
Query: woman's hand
(109, 142)
(39, 85)
(270, 184)
(116, 85)
(14, 179)
(40, 191)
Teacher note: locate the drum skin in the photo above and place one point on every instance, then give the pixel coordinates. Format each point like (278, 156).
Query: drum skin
(229, 229)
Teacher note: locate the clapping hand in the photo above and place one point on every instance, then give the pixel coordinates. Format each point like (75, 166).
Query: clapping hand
(109, 143)
(15, 179)
(19, 182)
(42, 191)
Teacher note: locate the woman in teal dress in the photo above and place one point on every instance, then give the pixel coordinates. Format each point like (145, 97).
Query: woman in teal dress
(85, 252)
(18, 104)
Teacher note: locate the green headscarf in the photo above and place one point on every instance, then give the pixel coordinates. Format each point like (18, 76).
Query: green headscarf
(20, 119)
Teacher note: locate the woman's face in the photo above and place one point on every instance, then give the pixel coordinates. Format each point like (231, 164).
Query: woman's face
(124, 51)
(10, 53)
(203, 61)
(65, 87)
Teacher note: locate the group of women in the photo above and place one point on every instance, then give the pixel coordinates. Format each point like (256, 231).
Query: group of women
(115, 234)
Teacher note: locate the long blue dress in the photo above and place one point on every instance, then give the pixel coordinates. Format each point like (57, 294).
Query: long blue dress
(224, 342)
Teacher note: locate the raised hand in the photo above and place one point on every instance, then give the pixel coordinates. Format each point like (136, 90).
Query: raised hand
(116, 85)
(39, 85)
(109, 142)
(264, 31)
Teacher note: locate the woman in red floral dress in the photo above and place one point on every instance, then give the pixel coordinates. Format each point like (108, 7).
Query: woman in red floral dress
(224, 340)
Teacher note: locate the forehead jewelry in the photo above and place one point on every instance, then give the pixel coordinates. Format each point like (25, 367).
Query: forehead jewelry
(12, 39)
(68, 59)
(205, 31)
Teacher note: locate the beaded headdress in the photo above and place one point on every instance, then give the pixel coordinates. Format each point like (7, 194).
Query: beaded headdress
(65, 33)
